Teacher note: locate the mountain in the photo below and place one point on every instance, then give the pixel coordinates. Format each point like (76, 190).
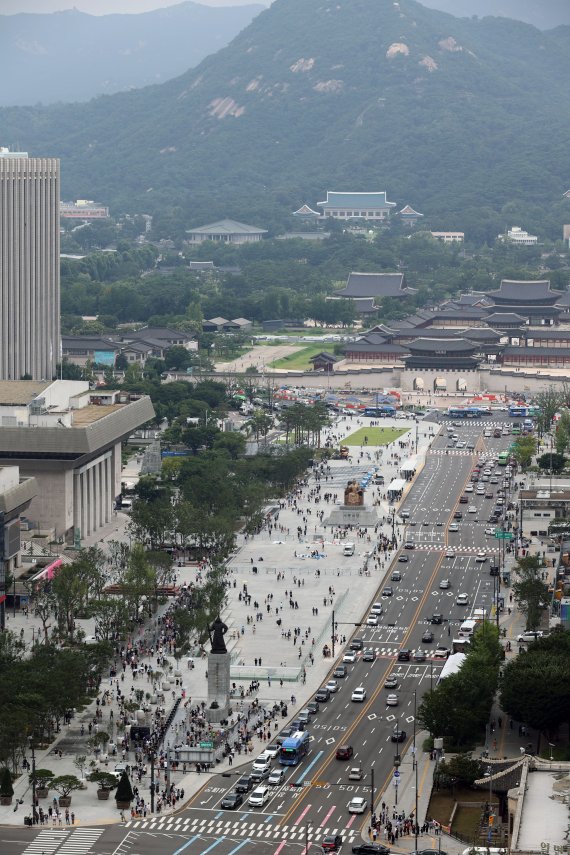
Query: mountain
(544, 14)
(454, 116)
(71, 56)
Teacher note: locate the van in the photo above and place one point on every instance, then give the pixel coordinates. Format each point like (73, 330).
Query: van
(467, 628)
(487, 432)
(348, 549)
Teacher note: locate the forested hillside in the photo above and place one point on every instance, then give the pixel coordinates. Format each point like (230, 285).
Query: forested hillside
(543, 14)
(455, 116)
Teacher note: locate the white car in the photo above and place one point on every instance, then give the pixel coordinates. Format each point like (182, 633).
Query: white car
(262, 764)
(357, 805)
(469, 488)
(372, 620)
(392, 700)
(481, 556)
(480, 491)
(276, 778)
(358, 695)
(450, 553)
(259, 797)
(453, 527)
(444, 584)
(462, 600)
(332, 686)
(272, 751)
(349, 656)
(441, 653)
(490, 532)
(529, 636)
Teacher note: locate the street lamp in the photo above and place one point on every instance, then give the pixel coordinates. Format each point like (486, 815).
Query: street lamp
(416, 827)
(334, 625)
(33, 750)
(552, 745)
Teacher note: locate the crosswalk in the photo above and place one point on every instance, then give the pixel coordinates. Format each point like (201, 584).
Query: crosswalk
(459, 551)
(459, 452)
(63, 841)
(264, 828)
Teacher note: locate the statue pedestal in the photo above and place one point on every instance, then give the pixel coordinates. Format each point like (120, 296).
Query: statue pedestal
(344, 516)
(218, 684)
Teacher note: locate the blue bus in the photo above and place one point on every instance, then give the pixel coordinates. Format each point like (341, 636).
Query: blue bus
(294, 748)
(464, 413)
(379, 412)
(516, 411)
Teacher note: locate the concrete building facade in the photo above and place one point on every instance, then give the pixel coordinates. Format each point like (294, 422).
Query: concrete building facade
(69, 439)
(29, 266)
(16, 494)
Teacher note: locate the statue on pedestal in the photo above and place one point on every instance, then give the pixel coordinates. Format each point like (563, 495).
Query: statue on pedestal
(354, 494)
(216, 633)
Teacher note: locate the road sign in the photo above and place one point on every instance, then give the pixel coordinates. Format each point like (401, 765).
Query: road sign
(396, 773)
(503, 535)
(206, 745)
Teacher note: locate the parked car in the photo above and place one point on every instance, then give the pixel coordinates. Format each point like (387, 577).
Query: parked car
(404, 655)
(370, 849)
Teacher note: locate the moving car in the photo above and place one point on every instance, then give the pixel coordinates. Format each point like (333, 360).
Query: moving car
(388, 592)
(323, 694)
(370, 849)
(450, 553)
(356, 644)
(369, 655)
(396, 575)
(358, 695)
(391, 682)
(244, 784)
(404, 655)
(357, 805)
(453, 527)
(313, 706)
(273, 750)
(276, 778)
(444, 585)
(481, 556)
(462, 600)
(398, 735)
(372, 620)
(344, 752)
(427, 637)
(340, 671)
(441, 652)
(332, 686)
(331, 842)
(392, 700)
(377, 608)
(528, 635)
(464, 500)
(231, 801)
(355, 774)
(469, 488)
(419, 656)
(437, 619)
(403, 559)
(409, 545)
(472, 509)
(349, 656)
(259, 797)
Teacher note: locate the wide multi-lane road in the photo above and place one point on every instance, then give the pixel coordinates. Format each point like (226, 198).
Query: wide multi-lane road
(316, 792)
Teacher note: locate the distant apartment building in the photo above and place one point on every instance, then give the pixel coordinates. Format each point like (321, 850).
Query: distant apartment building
(83, 209)
(29, 266)
(356, 206)
(449, 237)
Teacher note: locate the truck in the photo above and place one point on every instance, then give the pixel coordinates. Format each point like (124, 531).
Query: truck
(348, 549)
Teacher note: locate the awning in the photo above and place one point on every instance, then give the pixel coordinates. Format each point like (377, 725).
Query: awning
(441, 383)
(409, 465)
(397, 485)
(47, 572)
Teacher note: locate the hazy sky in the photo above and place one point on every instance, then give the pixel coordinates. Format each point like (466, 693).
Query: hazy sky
(103, 7)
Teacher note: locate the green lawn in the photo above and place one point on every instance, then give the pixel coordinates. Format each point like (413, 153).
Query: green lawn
(299, 360)
(376, 436)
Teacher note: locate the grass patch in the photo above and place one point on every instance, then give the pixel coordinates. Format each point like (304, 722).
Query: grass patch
(466, 820)
(299, 360)
(376, 436)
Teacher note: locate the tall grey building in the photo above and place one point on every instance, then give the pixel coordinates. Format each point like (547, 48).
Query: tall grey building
(29, 266)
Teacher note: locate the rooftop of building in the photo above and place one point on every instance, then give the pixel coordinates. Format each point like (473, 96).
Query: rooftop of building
(524, 291)
(348, 199)
(93, 412)
(438, 347)
(17, 392)
(227, 227)
(374, 285)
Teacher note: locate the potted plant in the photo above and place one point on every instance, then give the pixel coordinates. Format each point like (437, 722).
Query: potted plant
(43, 779)
(6, 788)
(106, 781)
(65, 785)
(124, 794)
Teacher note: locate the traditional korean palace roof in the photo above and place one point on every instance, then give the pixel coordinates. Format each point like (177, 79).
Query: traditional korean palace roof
(376, 285)
(524, 292)
(356, 200)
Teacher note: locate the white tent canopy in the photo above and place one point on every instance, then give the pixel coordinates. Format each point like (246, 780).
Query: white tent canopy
(397, 485)
(409, 465)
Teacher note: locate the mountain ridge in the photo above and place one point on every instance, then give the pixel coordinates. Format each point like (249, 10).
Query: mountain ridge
(441, 112)
(543, 14)
(73, 56)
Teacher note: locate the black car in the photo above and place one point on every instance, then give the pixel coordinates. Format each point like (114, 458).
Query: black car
(427, 637)
(396, 575)
(457, 515)
(388, 592)
(493, 570)
(244, 784)
(404, 655)
(370, 849)
(398, 736)
(437, 619)
(322, 695)
(297, 725)
(231, 801)
(313, 707)
(419, 656)
(403, 559)
(356, 644)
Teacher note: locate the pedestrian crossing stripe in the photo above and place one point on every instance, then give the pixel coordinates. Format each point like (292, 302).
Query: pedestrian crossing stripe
(459, 551)
(460, 452)
(229, 827)
(77, 841)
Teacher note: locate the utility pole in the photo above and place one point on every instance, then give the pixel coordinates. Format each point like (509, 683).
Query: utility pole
(416, 771)
(33, 750)
(332, 633)
(372, 795)
(152, 781)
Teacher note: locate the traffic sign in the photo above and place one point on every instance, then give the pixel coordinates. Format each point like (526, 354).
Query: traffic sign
(206, 745)
(503, 535)
(396, 773)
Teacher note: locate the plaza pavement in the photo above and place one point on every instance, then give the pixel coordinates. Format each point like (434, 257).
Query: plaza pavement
(342, 581)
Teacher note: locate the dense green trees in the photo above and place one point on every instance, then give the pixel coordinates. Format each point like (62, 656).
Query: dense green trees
(535, 687)
(531, 593)
(458, 708)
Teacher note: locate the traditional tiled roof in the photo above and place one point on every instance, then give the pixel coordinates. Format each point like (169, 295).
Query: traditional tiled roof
(227, 227)
(218, 321)
(479, 334)
(305, 211)
(330, 357)
(512, 350)
(498, 318)
(460, 345)
(523, 291)
(87, 342)
(381, 328)
(408, 211)
(374, 285)
(356, 200)
(367, 347)
(242, 322)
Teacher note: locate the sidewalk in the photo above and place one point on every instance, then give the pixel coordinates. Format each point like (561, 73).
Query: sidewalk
(314, 586)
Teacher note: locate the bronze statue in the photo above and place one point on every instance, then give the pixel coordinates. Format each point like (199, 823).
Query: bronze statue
(354, 494)
(216, 633)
